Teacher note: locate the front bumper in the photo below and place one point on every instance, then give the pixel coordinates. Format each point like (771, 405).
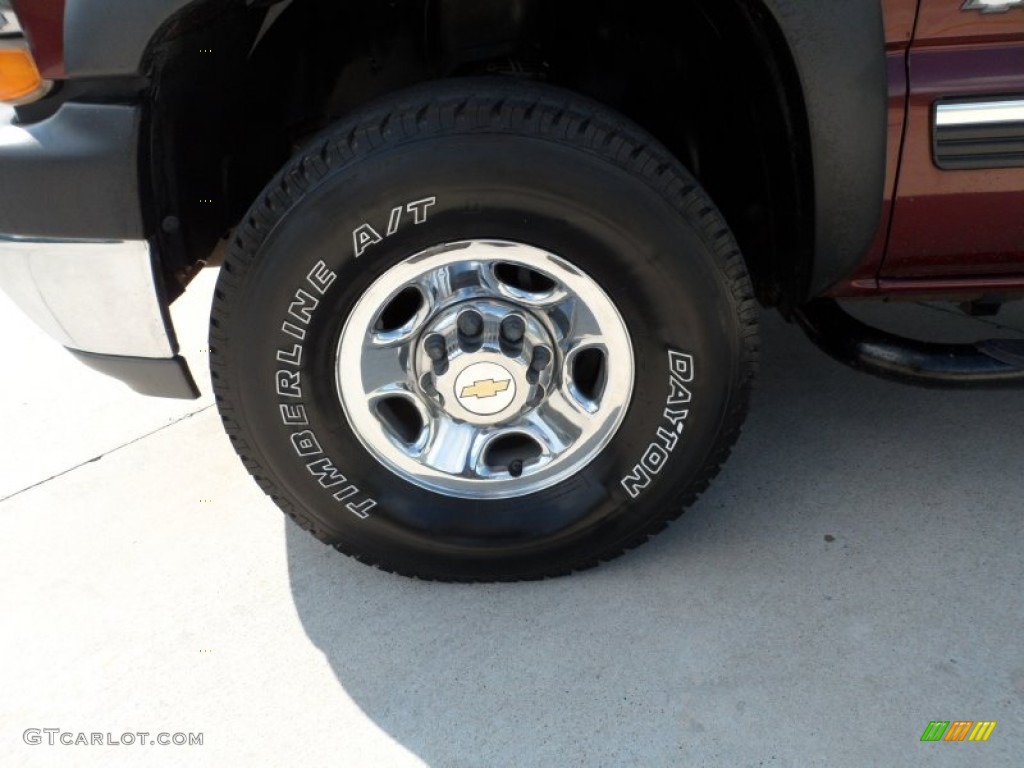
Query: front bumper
(100, 300)
(73, 254)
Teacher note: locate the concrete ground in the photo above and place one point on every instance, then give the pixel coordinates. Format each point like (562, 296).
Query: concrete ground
(854, 573)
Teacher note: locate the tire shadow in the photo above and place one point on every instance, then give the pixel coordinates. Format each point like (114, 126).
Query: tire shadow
(802, 611)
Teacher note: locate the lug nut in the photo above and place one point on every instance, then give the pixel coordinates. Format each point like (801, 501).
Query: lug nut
(516, 468)
(541, 359)
(435, 347)
(512, 329)
(471, 324)
(427, 383)
(437, 350)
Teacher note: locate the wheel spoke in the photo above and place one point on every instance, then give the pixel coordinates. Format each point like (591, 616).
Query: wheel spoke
(452, 447)
(453, 282)
(556, 423)
(584, 327)
(383, 370)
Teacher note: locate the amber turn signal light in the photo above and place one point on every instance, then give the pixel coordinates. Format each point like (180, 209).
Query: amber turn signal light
(19, 78)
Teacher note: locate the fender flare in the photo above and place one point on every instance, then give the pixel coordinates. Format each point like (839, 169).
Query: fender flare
(839, 51)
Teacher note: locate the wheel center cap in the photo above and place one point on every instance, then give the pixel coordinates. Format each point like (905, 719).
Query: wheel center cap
(485, 388)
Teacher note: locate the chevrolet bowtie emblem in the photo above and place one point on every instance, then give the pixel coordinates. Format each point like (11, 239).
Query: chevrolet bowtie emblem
(485, 388)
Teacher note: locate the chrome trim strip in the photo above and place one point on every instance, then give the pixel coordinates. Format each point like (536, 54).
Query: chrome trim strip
(990, 6)
(93, 296)
(976, 113)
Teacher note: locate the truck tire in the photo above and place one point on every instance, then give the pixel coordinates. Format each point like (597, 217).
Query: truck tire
(483, 330)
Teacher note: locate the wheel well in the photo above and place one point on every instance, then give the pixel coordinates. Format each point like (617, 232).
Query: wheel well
(236, 89)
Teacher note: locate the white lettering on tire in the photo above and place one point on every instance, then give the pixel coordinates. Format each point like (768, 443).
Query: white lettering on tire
(288, 384)
(366, 234)
(680, 366)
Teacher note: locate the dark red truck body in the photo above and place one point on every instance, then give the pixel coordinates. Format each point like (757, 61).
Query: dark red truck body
(945, 232)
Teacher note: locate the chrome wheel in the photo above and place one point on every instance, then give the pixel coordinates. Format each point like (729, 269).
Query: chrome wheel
(484, 369)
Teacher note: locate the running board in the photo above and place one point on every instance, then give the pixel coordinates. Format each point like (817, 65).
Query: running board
(991, 363)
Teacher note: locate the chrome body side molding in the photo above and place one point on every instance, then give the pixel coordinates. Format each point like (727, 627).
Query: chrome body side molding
(979, 134)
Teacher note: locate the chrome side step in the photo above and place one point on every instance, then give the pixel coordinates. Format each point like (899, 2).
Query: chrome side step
(986, 364)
